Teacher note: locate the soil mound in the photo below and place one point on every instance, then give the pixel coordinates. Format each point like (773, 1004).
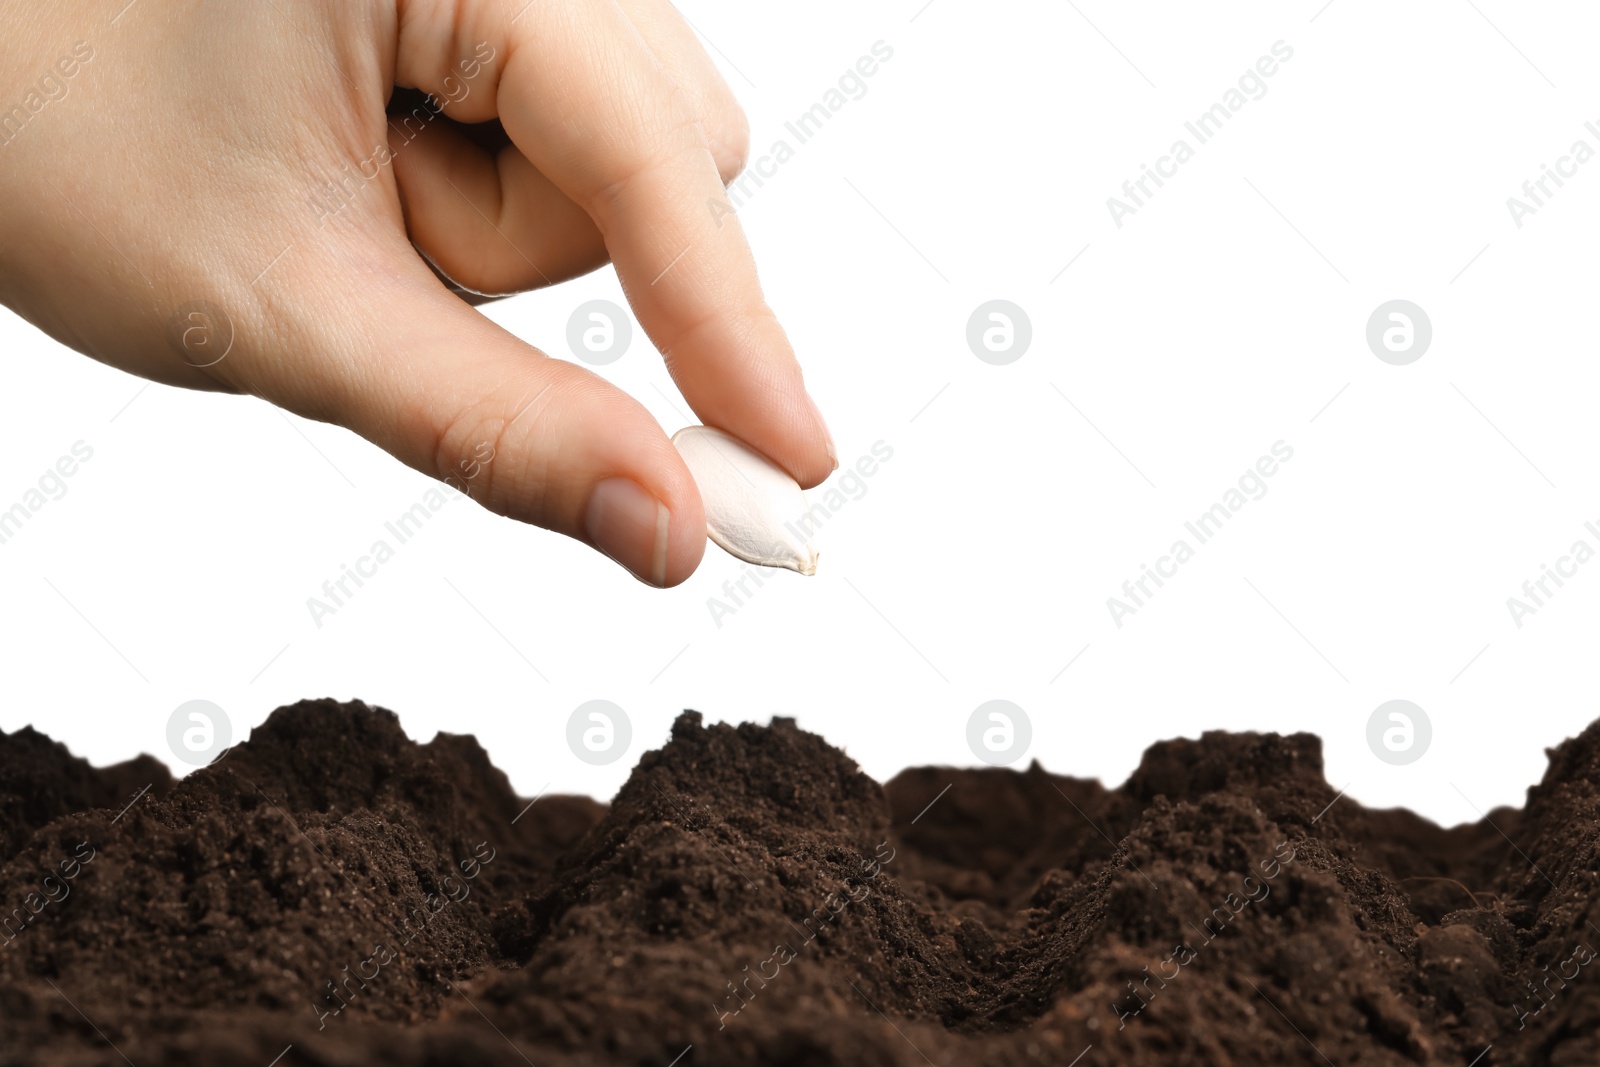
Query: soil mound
(332, 892)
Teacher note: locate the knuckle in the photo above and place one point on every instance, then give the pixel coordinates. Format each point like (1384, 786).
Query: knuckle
(677, 144)
(729, 134)
(478, 448)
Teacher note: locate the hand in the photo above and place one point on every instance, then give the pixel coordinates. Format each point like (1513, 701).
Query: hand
(249, 156)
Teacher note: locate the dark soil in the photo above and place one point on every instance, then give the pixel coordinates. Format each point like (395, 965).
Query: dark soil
(333, 893)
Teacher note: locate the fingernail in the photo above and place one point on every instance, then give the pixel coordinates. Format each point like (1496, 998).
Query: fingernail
(827, 435)
(630, 525)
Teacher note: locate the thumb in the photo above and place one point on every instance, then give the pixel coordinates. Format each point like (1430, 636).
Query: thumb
(412, 368)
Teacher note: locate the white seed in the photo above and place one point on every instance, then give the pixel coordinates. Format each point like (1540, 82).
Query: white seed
(753, 507)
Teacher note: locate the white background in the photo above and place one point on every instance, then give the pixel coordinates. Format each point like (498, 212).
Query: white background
(1227, 314)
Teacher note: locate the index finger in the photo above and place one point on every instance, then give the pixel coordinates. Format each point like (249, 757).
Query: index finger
(586, 101)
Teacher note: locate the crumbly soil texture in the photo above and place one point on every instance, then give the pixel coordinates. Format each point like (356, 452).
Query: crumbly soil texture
(331, 892)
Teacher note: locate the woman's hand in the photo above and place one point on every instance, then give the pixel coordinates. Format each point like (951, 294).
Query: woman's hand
(219, 196)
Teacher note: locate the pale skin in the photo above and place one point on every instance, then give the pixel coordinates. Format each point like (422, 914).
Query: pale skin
(190, 158)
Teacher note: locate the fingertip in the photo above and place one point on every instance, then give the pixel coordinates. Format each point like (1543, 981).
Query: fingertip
(659, 545)
(800, 444)
(686, 537)
(686, 548)
(830, 449)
